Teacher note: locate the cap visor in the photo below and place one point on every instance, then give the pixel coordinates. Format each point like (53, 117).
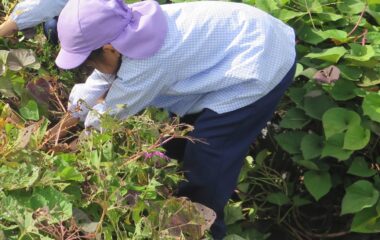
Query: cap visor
(67, 60)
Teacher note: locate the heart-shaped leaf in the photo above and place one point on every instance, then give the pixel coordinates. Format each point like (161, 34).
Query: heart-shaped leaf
(330, 55)
(318, 183)
(295, 118)
(359, 167)
(359, 195)
(356, 138)
(371, 106)
(293, 146)
(311, 146)
(337, 120)
(20, 58)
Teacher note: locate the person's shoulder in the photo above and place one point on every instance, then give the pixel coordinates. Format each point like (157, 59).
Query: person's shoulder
(130, 68)
(205, 5)
(209, 10)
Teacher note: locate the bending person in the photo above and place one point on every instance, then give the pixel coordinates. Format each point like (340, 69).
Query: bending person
(223, 65)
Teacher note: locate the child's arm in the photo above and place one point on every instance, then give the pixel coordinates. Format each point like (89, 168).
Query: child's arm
(65, 124)
(91, 93)
(31, 13)
(7, 28)
(86, 95)
(133, 90)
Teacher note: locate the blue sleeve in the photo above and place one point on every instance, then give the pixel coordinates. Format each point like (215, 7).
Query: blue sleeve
(132, 91)
(30, 13)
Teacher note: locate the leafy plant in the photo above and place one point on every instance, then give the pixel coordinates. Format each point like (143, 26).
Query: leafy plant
(329, 127)
(314, 173)
(117, 183)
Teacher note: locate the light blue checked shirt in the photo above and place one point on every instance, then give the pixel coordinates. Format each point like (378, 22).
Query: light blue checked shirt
(29, 13)
(217, 55)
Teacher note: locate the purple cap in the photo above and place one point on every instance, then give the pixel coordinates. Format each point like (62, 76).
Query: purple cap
(136, 31)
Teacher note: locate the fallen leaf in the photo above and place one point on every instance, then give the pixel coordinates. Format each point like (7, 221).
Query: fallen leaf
(330, 74)
(19, 58)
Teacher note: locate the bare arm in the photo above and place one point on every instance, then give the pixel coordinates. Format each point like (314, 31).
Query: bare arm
(8, 28)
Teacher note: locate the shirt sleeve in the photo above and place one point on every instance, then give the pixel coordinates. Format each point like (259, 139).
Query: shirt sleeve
(85, 95)
(128, 95)
(30, 13)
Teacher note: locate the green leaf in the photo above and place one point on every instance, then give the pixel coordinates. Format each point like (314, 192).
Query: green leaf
(252, 233)
(3, 56)
(267, 5)
(310, 35)
(356, 138)
(261, 156)
(308, 164)
(59, 207)
(233, 237)
(334, 148)
(371, 106)
(299, 69)
(311, 146)
(70, 174)
(337, 120)
(330, 55)
(316, 106)
(297, 94)
(293, 146)
(309, 73)
(374, 37)
(314, 6)
(286, 15)
(371, 78)
(317, 183)
(359, 167)
(18, 84)
(3, 60)
(328, 16)
(374, 10)
(21, 177)
(350, 72)
(6, 87)
(372, 2)
(366, 221)
(360, 53)
(233, 213)
(278, 198)
(351, 6)
(359, 196)
(335, 34)
(30, 111)
(294, 118)
(298, 201)
(343, 90)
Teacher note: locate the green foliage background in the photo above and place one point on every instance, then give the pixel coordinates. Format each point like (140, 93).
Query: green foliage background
(314, 173)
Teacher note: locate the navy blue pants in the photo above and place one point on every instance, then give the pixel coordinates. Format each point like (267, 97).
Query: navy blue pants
(50, 30)
(212, 169)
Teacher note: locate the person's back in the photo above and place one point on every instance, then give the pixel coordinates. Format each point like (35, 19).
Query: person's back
(214, 52)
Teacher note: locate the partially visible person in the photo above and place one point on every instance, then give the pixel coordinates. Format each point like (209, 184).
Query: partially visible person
(30, 13)
(7, 28)
(220, 66)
